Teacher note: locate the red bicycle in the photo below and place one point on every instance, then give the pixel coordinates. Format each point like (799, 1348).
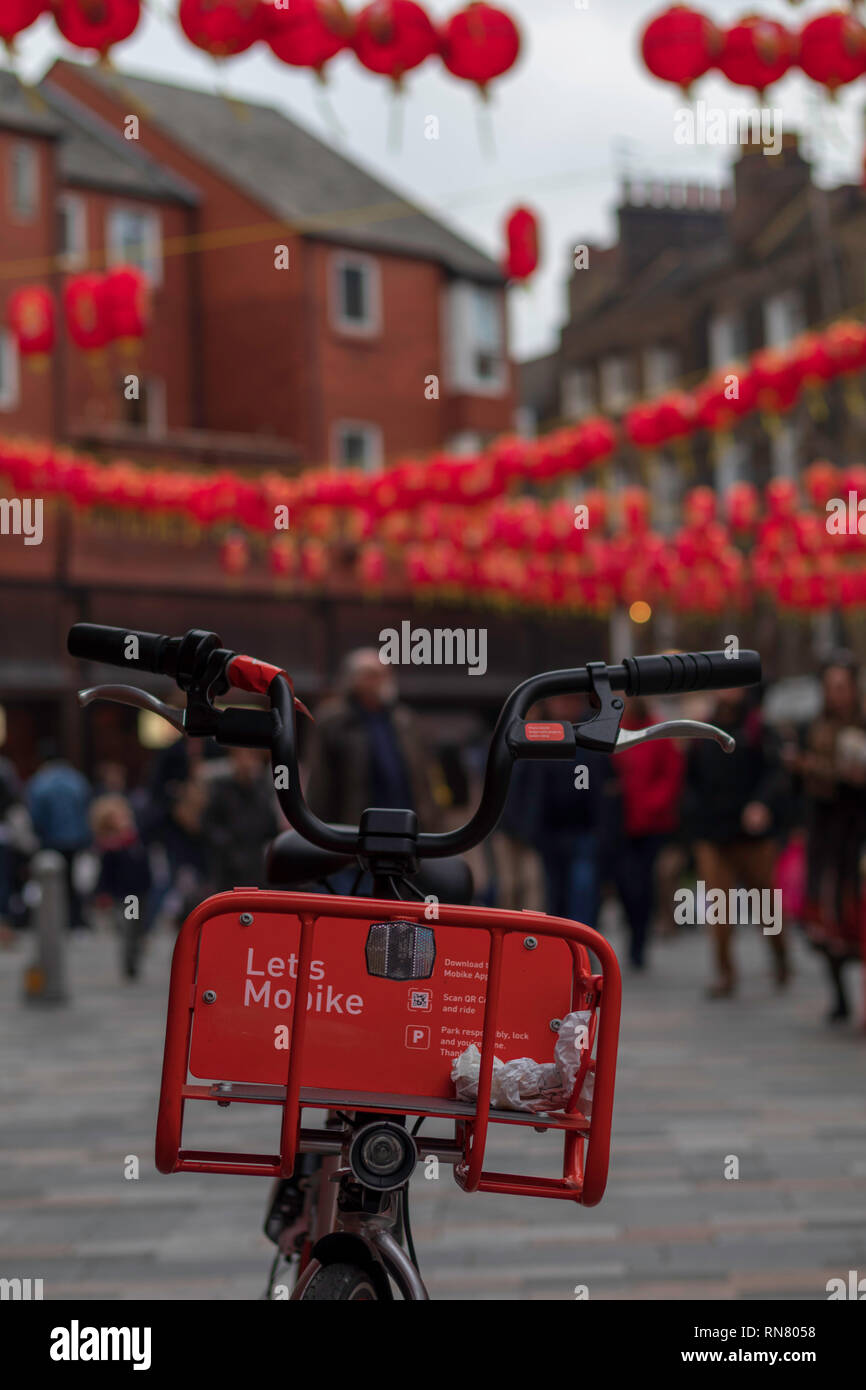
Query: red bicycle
(394, 984)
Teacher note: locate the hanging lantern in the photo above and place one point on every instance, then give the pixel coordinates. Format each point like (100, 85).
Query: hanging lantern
(822, 481)
(522, 243)
(680, 45)
(742, 506)
(642, 426)
(234, 556)
(845, 341)
(307, 34)
(32, 323)
(757, 52)
(394, 36)
(776, 380)
(479, 44)
(127, 300)
(699, 507)
(86, 311)
(833, 49)
(18, 15)
(222, 28)
(97, 24)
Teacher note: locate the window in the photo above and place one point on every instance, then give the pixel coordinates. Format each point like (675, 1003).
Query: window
(72, 230)
(728, 340)
(617, 383)
(661, 368)
(475, 338)
(577, 393)
(9, 381)
(784, 318)
(147, 410)
(134, 237)
(23, 182)
(356, 295)
(357, 445)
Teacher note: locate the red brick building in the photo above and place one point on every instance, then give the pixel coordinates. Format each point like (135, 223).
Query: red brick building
(303, 312)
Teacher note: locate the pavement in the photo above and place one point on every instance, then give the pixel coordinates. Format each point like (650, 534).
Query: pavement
(759, 1079)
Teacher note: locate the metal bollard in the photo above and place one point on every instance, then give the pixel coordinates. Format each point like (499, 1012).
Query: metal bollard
(45, 978)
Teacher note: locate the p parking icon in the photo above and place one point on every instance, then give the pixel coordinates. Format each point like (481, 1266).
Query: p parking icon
(417, 1035)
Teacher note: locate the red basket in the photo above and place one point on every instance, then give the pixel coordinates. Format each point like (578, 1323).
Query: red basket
(362, 1043)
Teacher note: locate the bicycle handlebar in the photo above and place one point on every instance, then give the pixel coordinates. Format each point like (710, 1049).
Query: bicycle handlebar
(203, 668)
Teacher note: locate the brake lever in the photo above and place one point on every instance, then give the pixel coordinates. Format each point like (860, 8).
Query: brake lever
(674, 728)
(139, 699)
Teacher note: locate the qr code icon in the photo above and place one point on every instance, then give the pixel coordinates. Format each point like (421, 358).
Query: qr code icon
(421, 999)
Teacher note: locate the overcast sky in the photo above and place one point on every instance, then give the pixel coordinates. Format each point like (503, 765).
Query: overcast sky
(577, 112)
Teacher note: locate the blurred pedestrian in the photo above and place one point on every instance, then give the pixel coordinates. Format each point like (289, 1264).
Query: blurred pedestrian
(570, 808)
(240, 818)
(366, 751)
(124, 880)
(17, 844)
(58, 798)
(651, 777)
(734, 809)
(832, 765)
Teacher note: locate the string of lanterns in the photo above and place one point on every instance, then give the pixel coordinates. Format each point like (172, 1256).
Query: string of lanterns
(99, 309)
(478, 44)
(590, 557)
(681, 45)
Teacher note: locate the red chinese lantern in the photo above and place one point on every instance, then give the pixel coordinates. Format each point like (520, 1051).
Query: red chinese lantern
(86, 311)
(127, 300)
(635, 509)
(822, 481)
(309, 33)
(522, 243)
(833, 49)
(699, 507)
(680, 45)
(96, 24)
(479, 44)
(18, 15)
(222, 28)
(845, 341)
(812, 361)
(32, 322)
(281, 558)
(742, 506)
(757, 52)
(642, 426)
(776, 380)
(234, 556)
(676, 415)
(394, 36)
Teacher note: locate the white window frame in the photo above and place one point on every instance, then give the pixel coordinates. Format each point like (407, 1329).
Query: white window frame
(726, 330)
(371, 325)
(577, 393)
(661, 369)
(150, 257)
(19, 213)
(617, 389)
(784, 318)
(10, 372)
(462, 343)
(74, 207)
(376, 461)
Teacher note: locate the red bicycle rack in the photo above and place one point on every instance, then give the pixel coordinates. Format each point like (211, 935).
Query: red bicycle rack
(364, 1043)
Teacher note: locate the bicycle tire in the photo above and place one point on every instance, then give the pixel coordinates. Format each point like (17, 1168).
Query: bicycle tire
(340, 1283)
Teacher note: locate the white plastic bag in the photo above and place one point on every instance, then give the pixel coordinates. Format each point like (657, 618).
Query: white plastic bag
(523, 1084)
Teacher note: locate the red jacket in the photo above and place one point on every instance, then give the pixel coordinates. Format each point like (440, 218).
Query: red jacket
(652, 778)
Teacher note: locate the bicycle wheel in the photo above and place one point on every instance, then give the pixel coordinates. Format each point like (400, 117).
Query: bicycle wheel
(339, 1284)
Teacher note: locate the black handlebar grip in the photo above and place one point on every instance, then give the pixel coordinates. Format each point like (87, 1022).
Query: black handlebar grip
(121, 646)
(684, 671)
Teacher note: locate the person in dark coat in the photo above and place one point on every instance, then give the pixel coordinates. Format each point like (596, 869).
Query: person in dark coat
(733, 808)
(366, 751)
(240, 818)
